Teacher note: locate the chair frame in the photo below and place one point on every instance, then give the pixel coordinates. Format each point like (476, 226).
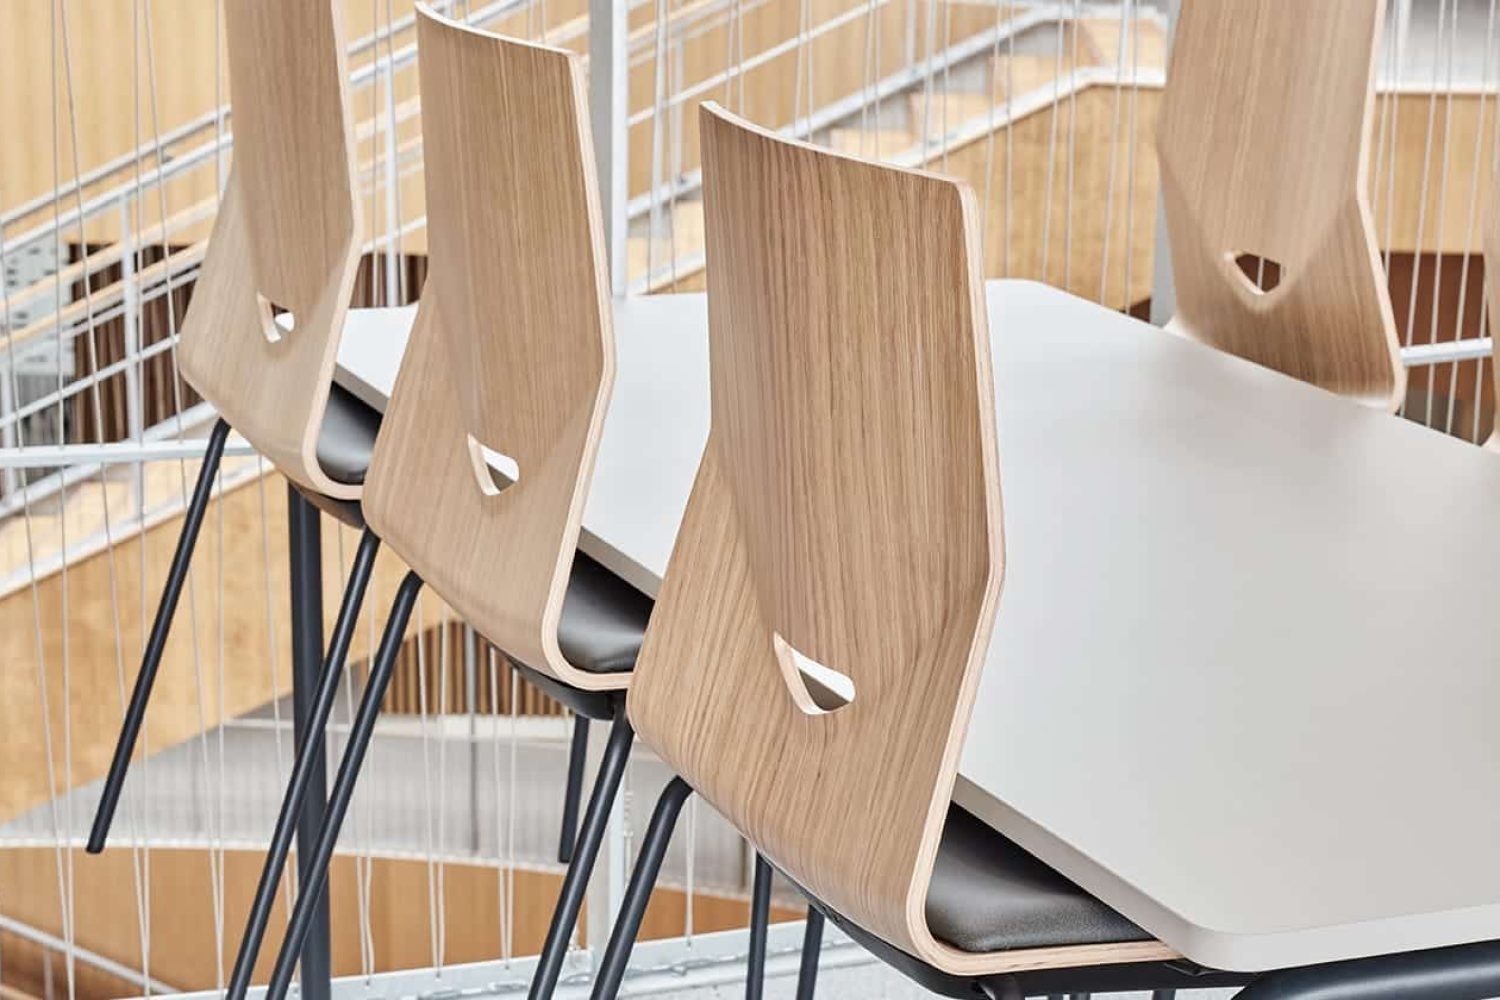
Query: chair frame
(515, 238)
(790, 532)
(294, 163)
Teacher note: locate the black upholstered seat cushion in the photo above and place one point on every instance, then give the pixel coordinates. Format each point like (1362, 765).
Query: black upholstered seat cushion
(603, 619)
(347, 437)
(987, 894)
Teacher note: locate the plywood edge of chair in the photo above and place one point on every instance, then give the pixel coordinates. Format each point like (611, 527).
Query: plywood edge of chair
(294, 453)
(608, 366)
(960, 963)
(426, 11)
(556, 663)
(1392, 401)
(332, 312)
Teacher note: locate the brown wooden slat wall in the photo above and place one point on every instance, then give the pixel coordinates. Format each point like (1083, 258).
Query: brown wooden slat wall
(157, 394)
(406, 691)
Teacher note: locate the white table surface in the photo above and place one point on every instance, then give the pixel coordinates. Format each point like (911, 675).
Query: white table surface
(1245, 677)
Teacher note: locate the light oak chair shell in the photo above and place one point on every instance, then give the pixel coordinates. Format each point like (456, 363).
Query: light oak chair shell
(512, 349)
(287, 237)
(846, 512)
(1263, 142)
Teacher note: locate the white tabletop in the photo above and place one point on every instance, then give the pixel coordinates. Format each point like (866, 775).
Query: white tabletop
(654, 430)
(1245, 679)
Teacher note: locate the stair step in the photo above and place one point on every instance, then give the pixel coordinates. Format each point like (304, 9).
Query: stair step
(1023, 73)
(869, 142)
(1100, 43)
(946, 112)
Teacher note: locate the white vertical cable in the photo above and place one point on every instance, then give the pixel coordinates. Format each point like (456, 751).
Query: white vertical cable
(930, 43)
(692, 857)
(361, 824)
(362, 889)
(807, 42)
(218, 97)
(215, 875)
(1135, 94)
(1010, 144)
(1473, 215)
(1072, 154)
(1114, 145)
(674, 164)
(444, 710)
(658, 116)
(739, 58)
(64, 857)
(502, 871)
(1382, 138)
(273, 653)
(947, 79)
(731, 27)
(1484, 300)
(879, 105)
(989, 142)
(91, 338)
(421, 642)
(392, 166)
(510, 813)
(364, 863)
(216, 842)
(1394, 51)
(866, 78)
(43, 698)
(1439, 248)
(1115, 141)
(1052, 152)
(1463, 281)
(143, 838)
(1416, 264)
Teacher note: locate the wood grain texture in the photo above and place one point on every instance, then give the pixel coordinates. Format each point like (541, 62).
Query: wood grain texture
(183, 946)
(288, 233)
(1263, 144)
(847, 506)
(512, 346)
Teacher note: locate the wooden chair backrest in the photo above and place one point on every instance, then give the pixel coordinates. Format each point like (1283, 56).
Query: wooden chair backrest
(287, 237)
(1263, 143)
(845, 521)
(513, 347)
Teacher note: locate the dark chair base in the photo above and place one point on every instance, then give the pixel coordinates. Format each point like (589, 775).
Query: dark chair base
(601, 706)
(345, 511)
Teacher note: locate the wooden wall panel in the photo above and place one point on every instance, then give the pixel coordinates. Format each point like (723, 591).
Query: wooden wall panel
(183, 949)
(79, 611)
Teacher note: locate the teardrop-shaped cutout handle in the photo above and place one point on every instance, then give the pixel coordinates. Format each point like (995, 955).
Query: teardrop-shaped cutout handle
(817, 688)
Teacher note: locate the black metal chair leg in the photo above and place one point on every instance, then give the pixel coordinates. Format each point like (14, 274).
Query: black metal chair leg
(647, 867)
(590, 838)
(315, 879)
(156, 642)
(302, 772)
(760, 922)
(1163, 995)
(577, 756)
(812, 949)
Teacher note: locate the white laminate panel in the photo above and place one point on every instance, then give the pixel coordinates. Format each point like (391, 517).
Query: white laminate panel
(1245, 676)
(370, 350)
